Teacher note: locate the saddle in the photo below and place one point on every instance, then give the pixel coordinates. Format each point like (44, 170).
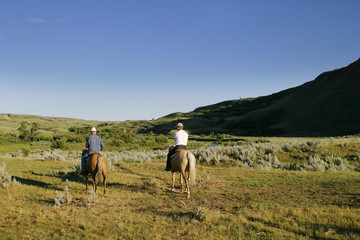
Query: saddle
(176, 151)
(90, 155)
(181, 149)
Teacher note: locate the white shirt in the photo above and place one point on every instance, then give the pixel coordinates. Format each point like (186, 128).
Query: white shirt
(181, 137)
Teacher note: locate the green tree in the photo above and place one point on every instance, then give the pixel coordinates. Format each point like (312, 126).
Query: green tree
(161, 139)
(34, 129)
(24, 132)
(60, 144)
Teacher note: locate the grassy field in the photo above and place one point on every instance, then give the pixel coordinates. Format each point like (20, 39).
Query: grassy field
(226, 203)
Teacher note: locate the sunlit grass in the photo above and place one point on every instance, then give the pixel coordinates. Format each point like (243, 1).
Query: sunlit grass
(14, 147)
(226, 203)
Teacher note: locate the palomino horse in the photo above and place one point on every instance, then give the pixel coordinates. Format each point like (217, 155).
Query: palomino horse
(96, 164)
(183, 161)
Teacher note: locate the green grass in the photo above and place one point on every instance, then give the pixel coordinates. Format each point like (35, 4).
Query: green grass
(14, 147)
(227, 203)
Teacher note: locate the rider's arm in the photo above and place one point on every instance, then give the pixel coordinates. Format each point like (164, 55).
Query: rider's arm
(87, 143)
(102, 146)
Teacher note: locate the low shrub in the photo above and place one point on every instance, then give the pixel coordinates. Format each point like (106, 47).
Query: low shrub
(316, 163)
(62, 198)
(25, 151)
(5, 178)
(60, 144)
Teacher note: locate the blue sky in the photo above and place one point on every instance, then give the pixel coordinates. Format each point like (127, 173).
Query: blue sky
(129, 59)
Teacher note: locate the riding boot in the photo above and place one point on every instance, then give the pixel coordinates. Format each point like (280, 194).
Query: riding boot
(168, 163)
(83, 163)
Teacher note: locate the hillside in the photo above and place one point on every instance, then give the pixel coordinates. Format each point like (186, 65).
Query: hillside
(10, 122)
(326, 106)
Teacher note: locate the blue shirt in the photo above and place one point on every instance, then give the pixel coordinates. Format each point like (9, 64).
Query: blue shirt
(94, 143)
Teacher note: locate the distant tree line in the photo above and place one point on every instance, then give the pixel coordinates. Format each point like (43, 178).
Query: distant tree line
(114, 137)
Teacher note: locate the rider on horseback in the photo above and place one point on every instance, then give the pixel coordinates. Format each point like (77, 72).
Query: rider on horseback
(181, 138)
(94, 144)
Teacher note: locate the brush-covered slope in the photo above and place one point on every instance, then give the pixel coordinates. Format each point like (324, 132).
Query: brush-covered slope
(11, 122)
(326, 106)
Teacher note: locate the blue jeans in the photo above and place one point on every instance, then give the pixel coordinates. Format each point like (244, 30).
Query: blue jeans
(83, 161)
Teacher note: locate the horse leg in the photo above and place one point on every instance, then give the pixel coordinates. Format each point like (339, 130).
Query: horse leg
(187, 190)
(173, 182)
(86, 182)
(104, 181)
(188, 178)
(94, 182)
(181, 182)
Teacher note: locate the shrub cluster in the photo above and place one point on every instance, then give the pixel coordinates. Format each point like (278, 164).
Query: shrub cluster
(55, 154)
(60, 144)
(262, 156)
(62, 198)
(112, 156)
(258, 155)
(316, 163)
(135, 156)
(5, 178)
(9, 138)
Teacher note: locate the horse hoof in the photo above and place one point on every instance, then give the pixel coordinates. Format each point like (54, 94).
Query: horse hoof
(188, 196)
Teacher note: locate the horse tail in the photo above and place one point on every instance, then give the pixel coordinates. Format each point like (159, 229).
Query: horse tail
(192, 170)
(99, 169)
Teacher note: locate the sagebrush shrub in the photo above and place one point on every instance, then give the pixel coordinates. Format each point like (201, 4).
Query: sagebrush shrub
(316, 163)
(5, 178)
(62, 198)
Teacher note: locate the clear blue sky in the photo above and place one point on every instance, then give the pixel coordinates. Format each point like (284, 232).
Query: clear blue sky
(143, 59)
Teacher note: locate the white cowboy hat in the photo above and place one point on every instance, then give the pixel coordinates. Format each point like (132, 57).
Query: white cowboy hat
(93, 129)
(180, 125)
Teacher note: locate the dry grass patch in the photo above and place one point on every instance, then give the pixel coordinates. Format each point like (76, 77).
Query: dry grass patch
(226, 203)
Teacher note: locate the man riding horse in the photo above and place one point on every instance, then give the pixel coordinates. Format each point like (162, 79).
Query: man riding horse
(181, 138)
(94, 144)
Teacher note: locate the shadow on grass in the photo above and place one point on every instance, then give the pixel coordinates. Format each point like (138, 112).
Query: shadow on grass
(174, 215)
(35, 183)
(346, 230)
(314, 226)
(134, 188)
(71, 176)
(124, 186)
(132, 172)
(74, 177)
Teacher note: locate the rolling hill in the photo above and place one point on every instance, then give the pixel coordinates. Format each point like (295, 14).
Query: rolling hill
(9, 123)
(326, 106)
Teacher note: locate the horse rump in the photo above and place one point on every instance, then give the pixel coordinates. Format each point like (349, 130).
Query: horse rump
(99, 175)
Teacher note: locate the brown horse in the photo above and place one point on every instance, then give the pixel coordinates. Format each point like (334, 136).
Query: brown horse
(96, 165)
(183, 161)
